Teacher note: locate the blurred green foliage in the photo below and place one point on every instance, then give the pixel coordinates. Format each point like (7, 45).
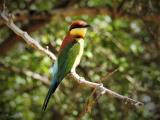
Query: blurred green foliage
(112, 43)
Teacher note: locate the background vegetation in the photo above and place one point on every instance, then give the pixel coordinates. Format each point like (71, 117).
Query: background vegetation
(125, 36)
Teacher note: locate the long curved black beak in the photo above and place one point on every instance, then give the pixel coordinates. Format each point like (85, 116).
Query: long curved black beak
(87, 25)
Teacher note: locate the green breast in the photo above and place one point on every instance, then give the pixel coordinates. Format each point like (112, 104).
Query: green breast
(70, 57)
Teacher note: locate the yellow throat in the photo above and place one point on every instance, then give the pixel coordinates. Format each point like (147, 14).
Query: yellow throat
(79, 31)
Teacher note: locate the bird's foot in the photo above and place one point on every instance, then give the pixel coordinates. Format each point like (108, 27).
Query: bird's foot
(100, 85)
(73, 73)
(81, 79)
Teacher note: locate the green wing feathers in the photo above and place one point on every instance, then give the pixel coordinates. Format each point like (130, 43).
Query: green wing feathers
(62, 67)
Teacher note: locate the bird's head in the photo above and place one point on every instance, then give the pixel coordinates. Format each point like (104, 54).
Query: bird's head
(78, 28)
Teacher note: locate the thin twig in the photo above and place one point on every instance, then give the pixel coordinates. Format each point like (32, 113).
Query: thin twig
(108, 75)
(30, 41)
(36, 76)
(90, 102)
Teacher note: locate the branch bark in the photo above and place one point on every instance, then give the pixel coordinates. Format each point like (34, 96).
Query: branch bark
(33, 43)
(28, 39)
(13, 39)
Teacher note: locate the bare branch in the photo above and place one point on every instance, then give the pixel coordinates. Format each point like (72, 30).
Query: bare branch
(30, 41)
(103, 90)
(13, 39)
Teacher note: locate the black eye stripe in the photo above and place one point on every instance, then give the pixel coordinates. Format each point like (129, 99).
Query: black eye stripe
(77, 26)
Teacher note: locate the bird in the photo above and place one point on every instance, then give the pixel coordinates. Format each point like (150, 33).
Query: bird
(69, 56)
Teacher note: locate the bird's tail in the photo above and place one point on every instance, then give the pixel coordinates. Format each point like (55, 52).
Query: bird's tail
(51, 90)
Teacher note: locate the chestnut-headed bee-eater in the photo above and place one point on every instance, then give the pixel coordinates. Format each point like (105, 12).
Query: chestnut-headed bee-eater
(69, 56)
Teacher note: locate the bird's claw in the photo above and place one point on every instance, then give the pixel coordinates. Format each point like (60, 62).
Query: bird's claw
(73, 73)
(100, 84)
(81, 79)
